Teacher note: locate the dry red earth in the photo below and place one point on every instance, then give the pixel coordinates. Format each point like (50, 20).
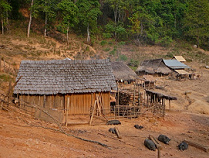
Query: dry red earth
(23, 136)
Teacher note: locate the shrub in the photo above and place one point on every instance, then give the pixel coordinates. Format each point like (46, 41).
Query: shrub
(123, 57)
(103, 43)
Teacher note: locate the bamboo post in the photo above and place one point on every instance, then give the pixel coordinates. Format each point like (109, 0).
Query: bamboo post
(134, 94)
(4, 65)
(169, 104)
(0, 63)
(139, 95)
(66, 114)
(92, 115)
(118, 102)
(163, 103)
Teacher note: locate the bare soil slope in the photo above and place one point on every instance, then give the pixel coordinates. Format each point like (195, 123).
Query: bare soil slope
(22, 136)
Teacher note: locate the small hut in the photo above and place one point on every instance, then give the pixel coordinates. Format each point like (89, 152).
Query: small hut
(155, 66)
(123, 73)
(70, 85)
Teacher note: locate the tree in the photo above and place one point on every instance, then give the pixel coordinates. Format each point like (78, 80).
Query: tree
(47, 7)
(5, 7)
(69, 12)
(196, 20)
(88, 14)
(30, 18)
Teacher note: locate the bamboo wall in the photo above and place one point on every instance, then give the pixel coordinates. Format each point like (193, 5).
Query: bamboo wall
(75, 103)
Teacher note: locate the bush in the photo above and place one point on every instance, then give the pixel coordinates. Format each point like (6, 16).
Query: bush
(103, 43)
(106, 35)
(166, 41)
(107, 49)
(123, 58)
(133, 63)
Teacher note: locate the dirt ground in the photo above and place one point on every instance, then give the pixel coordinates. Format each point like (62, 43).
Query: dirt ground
(23, 136)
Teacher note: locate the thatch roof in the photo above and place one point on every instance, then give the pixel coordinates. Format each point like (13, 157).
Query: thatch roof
(122, 71)
(153, 66)
(65, 76)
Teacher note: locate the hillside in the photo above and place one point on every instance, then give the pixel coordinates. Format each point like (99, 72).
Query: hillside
(23, 136)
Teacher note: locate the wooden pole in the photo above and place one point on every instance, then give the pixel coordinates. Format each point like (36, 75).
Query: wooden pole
(118, 102)
(134, 94)
(66, 114)
(4, 65)
(0, 63)
(163, 103)
(169, 104)
(139, 99)
(92, 115)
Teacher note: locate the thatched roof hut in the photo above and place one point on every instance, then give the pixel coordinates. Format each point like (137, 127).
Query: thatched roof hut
(64, 76)
(122, 72)
(66, 83)
(155, 66)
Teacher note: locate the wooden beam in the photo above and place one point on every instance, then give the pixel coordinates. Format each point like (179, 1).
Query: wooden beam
(199, 146)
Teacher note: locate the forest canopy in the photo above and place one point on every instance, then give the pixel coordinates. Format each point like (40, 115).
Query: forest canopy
(140, 21)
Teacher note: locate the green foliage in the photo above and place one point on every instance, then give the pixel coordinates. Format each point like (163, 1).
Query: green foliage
(5, 77)
(147, 22)
(197, 20)
(166, 41)
(106, 35)
(122, 57)
(113, 52)
(68, 11)
(107, 49)
(133, 63)
(103, 43)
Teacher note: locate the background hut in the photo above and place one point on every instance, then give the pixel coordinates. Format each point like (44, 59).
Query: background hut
(122, 72)
(155, 66)
(178, 68)
(67, 85)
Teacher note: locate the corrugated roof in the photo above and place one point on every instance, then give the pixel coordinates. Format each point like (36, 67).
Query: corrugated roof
(175, 64)
(65, 76)
(122, 71)
(179, 58)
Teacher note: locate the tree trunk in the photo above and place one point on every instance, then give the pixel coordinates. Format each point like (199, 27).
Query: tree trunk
(45, 28)
(68, 35)
(88, 34)
(7, 21)
(2, 26)
(30, 20)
